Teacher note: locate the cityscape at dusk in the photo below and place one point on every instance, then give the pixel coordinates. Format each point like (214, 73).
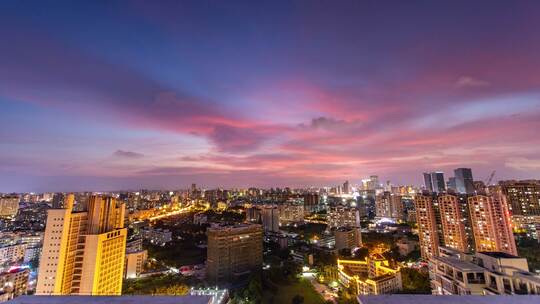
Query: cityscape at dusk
(269, 152)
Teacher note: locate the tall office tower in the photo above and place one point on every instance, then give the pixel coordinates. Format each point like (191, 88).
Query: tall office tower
(9, 205)
(311, 202)
(428, 184)
(372, 183)
(346, 187)
(427, 226)
(451, 184)
(490, 219)
(455, 222)
(523, 196)
(389, 205)
(83, 252)
(434, 182)
(270, 218)
(464, 180)
(233, 251)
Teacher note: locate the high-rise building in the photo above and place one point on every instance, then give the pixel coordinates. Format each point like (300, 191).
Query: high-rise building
(454, 214)
(346, 187)
(311, 202)
(464, 180)
(389, 205)
(270, 218)
(451, 184)
(233, 251)
(9, 205)
(478, 223)
(434, 182)
(348, 238)
(523, 196)
(291, 212)
(427, 225)
(340, 216)
(491, 223)
(428, 184)
(83, 252)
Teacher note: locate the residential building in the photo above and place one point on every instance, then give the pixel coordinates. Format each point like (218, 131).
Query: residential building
(341, 216)
(12, 253)
(291, 212)
(491, 225)
(456, 226)
(523, 197)
(13, 283)
(9, 205)
(389, 205)
(233, 251)
(484, 273)
(427, 225)
(156, 236)
(465, 223)
(348, 238)
(135, 261)
(83, 251)
(524, 203)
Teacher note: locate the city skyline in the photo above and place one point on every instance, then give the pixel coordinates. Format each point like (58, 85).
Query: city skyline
(104, 96)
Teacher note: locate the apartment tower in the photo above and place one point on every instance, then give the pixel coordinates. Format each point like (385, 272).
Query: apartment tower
(427, 225)
(233, 251)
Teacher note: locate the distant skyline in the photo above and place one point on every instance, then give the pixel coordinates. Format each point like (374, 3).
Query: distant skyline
(108, 95)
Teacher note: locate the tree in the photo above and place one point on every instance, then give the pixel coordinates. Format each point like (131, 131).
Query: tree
(172, 290)
(297, 299)
(415, 281)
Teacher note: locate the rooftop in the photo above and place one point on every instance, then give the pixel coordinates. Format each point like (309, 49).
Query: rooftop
(500, 255)
(461, 265)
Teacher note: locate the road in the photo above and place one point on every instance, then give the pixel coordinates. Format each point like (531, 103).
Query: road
(323, 290)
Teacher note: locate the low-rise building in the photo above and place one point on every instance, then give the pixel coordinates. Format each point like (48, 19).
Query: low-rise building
(484, 273)
(373, 276)
(13, 283)
(12, 253)
(135, 261)
(157, 236)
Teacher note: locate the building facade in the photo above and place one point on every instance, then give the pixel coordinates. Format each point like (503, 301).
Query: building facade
(347, 238)
(484, 273)
(233, 251)
(341, 216)
(9, 205)
(83, 252)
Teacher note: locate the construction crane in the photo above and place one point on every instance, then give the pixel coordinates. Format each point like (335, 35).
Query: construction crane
(490, 178)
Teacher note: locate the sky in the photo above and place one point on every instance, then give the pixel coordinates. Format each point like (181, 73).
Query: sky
(110, 95)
